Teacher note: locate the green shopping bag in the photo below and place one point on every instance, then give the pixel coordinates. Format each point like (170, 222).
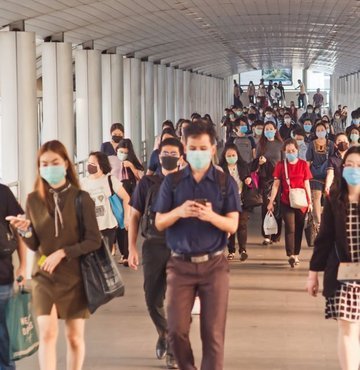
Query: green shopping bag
(21, 326)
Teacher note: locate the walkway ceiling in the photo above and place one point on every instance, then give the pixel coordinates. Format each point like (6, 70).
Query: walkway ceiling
(215, 37)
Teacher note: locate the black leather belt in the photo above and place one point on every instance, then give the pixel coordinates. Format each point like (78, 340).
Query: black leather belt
(198, 258)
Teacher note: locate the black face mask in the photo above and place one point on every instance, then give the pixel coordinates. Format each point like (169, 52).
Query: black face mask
(342, 146)
(92, 169)
(169, 163)
(116, 139)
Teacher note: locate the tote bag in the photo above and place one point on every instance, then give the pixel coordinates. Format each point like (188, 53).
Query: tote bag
(21, 326)
(116, 205)
(101, 277)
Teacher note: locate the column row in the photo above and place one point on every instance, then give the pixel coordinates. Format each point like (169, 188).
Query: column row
(107, 88)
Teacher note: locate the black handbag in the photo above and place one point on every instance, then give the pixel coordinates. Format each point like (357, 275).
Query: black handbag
(8, 240)
(251, 197)
(102, 279)
(310, 229)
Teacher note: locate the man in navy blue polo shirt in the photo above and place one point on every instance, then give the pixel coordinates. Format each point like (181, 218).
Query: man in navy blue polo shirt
(198, 209)
(155, 253)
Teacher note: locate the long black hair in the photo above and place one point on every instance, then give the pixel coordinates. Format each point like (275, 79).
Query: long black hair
(263, 139)
(222, 160)
(340, 188)
(127, 144)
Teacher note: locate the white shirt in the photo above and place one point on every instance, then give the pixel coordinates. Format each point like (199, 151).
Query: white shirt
(100, 192)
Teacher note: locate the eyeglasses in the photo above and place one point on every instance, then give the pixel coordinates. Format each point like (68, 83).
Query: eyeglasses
(169, 154)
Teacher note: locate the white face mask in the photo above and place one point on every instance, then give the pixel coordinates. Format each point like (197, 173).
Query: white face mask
(287, 120)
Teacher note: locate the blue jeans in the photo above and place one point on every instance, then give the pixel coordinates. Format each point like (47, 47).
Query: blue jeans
(6, 292)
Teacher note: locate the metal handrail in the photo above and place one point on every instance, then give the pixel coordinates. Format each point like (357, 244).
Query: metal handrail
(81, 168)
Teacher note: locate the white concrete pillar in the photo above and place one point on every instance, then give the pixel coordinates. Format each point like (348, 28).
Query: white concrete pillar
(58, 106)
(19, 139)
(147, 97)
(187, 95)
(88, 102)
(132, 102)
(179, 94)
(112, 92)
(160, 96)
(170, 94)
(193, 104)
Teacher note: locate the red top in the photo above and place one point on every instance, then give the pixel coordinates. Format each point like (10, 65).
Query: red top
(298, 173)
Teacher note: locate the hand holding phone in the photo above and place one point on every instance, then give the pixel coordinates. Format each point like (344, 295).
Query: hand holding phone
(201, 201)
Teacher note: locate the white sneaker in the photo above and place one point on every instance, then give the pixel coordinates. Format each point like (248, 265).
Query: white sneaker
(297, 261)
(196, 307)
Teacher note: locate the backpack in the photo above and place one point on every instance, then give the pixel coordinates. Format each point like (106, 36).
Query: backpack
(148, 229)
(8, 240)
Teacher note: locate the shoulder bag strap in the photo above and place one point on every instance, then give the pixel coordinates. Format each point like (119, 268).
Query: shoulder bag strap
(286, 173)
(79, 215)
(111, 185)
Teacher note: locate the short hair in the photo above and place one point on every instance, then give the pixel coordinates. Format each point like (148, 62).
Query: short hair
(117, 126)
(103, 161)
(252, 116)
(299, 131)
(199, 128)
(289, 142)
(171, 141)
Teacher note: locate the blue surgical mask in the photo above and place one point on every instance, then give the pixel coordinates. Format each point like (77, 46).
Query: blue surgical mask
(356, 121)
(307, 128)
(291, 157)
(300, 142)
(270, 134)
(321, 134)
(354, 138)
(53, 174)
(258, 131)
(198, 159)
(231, 160)
(122, 156)
(351, 175)
(243, 129)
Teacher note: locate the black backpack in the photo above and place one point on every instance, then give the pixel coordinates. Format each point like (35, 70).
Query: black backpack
(8, 240)
(148, 229)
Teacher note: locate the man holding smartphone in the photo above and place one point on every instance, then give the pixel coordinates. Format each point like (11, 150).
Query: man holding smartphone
(198, 211)
(8, 207)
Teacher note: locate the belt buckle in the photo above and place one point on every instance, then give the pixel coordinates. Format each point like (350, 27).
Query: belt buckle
(199, 259)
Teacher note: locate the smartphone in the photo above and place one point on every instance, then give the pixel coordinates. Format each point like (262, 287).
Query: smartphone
(201, 201)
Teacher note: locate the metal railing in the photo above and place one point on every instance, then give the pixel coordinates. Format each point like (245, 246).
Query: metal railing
(81, 168)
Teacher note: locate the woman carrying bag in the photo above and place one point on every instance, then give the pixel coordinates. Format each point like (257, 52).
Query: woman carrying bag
(52, 231)
(337, 246)
(99, 184)
(232, 163)
(293, 175)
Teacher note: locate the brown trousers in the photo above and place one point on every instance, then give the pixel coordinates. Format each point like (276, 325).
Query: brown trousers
(210, 280)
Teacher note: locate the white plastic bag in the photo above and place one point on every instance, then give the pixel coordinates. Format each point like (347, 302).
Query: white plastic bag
(270, 224)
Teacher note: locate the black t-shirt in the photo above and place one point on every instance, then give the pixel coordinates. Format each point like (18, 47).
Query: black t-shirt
(138, 198)
(8, 207)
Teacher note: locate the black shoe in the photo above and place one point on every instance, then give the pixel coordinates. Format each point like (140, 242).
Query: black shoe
(275, 240)
(291, 261)
(267, 241)
(243, 256)
(170, 362)
(161, 348)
